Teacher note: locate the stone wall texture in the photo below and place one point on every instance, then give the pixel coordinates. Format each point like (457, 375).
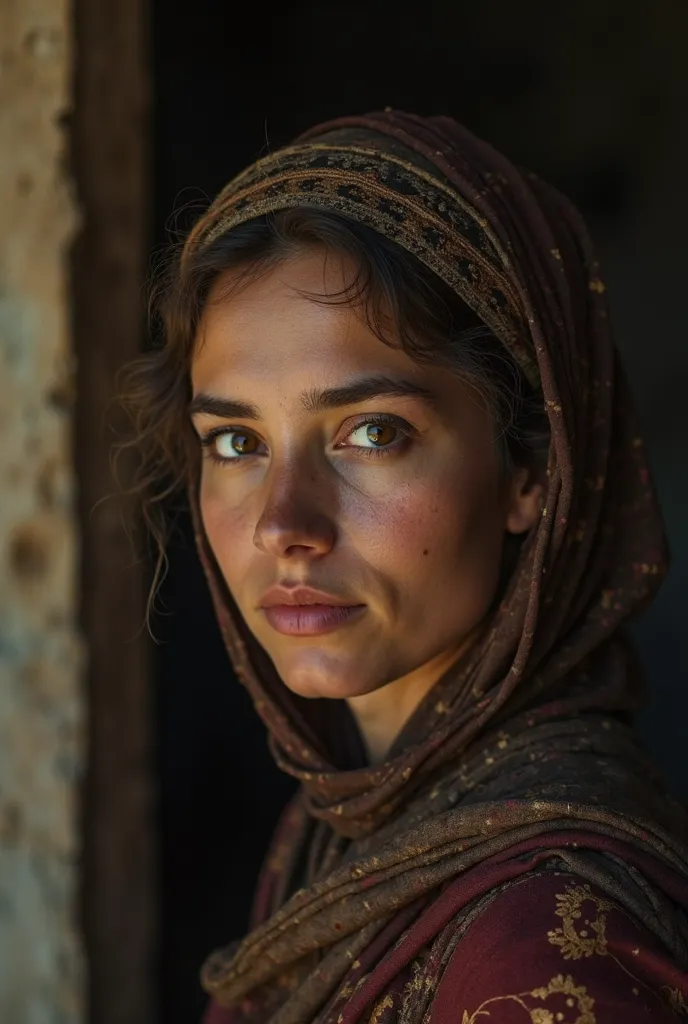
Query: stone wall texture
(40, 650)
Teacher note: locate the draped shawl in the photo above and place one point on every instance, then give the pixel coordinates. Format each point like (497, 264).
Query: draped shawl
(521, 755)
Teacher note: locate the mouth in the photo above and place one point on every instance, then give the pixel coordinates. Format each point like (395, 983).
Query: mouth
(310, 620)
(302, 611)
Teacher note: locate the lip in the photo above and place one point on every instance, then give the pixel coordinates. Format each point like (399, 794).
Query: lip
(303, 611)
(309, 619)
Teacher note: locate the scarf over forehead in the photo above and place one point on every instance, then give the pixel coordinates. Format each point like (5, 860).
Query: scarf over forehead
(551, 656)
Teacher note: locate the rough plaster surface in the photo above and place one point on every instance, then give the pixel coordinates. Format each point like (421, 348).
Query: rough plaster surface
(40, 653)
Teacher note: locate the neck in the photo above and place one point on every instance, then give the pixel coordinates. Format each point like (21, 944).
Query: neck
(382, 714)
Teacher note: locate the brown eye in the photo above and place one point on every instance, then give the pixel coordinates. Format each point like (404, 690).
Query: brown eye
(235, 443)
(380, 434)
(377, 435)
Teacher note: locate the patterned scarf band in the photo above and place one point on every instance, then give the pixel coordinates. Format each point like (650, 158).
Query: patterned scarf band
(400, 201)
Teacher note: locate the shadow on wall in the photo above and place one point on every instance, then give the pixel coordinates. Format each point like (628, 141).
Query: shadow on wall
(591, 96)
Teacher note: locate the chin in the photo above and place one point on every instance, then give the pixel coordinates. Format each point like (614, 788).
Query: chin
(318, 674)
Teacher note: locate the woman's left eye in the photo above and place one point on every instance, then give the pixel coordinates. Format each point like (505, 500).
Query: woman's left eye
(376, 435)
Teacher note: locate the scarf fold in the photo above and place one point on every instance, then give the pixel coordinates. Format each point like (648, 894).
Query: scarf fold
(523, 742)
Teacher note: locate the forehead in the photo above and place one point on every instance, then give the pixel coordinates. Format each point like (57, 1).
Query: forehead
(292, 331)
(294, 318)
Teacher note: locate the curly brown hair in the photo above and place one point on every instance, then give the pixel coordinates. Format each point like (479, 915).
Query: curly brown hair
(405, 303)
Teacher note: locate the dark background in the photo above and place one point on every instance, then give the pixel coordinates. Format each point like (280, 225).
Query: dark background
(592, 97)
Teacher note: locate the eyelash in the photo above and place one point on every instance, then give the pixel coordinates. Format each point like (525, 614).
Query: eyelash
(404, 428)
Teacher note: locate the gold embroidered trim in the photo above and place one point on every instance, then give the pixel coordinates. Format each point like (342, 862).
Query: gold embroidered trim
(676, 1000)
(587, 941)
(383, 1004)
(576, 1000)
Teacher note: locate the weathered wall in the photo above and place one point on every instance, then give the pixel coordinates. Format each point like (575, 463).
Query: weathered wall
(40, 712)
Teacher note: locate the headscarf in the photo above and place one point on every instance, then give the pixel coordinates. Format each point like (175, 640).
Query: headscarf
(521, 752)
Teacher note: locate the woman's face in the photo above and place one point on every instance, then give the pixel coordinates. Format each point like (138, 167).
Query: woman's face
(333, 462)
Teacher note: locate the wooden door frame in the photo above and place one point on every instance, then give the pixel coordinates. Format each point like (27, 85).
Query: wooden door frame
(111, 165)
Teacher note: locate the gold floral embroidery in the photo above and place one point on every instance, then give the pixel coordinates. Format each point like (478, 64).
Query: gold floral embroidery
(572, 998)
(676, 1000)
(384, 1004)
(577, 944)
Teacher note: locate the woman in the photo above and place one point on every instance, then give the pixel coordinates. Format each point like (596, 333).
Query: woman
(425, 514)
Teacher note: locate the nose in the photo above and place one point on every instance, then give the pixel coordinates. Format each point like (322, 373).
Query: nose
(294, 522)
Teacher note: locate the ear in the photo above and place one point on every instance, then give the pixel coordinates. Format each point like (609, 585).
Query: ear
(525, 500)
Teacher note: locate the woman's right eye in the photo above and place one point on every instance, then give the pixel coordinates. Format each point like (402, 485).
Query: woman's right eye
(224, 445)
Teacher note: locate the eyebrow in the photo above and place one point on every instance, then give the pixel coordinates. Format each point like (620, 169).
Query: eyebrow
(317, 401)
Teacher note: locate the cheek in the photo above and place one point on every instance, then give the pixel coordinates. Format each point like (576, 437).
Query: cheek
(435, 517)
(228, 526)
(442, 538)
(381, 528)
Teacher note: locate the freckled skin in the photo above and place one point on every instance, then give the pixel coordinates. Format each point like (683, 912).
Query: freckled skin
(415, 535)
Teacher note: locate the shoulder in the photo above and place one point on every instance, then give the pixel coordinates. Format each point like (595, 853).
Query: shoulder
(554, 948)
